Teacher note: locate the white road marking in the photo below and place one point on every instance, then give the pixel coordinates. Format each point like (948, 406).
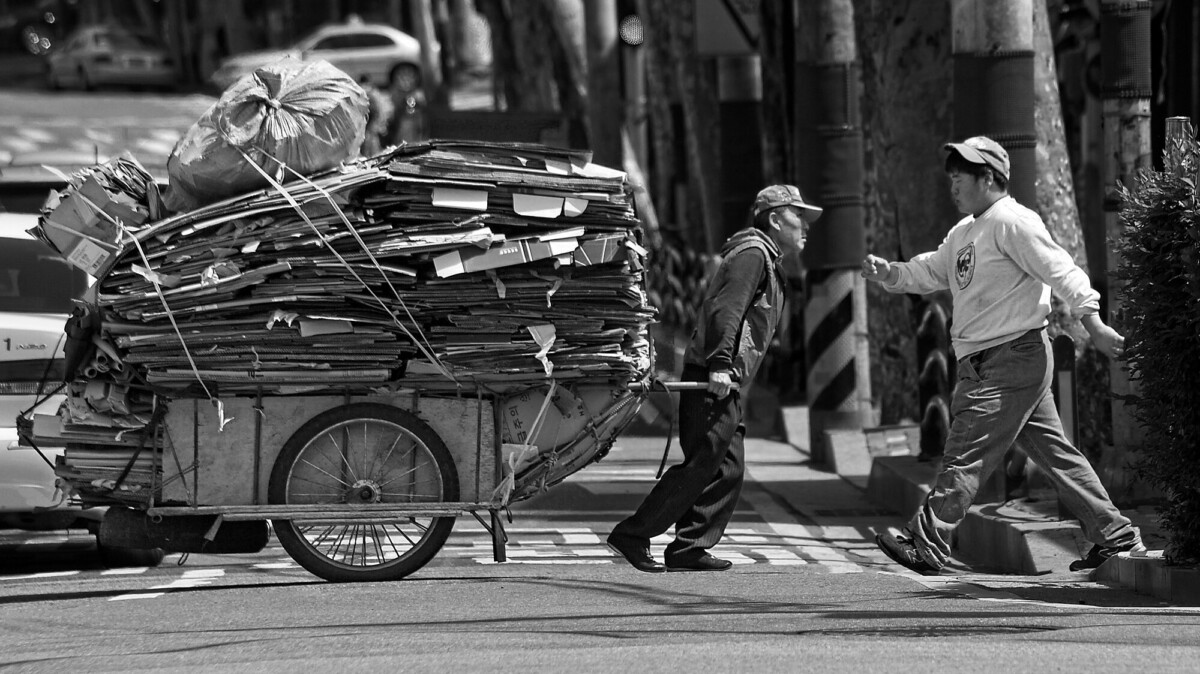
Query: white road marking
(127, 571)
(21, 145)
(97, 136)
(44, 574)
(35, 134)
(489, 560)
(777, 519)
(190, 579)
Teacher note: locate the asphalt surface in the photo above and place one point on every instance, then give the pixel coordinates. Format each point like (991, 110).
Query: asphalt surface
(808, 592)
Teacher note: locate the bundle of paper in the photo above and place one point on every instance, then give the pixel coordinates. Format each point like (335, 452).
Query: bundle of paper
(440, 265)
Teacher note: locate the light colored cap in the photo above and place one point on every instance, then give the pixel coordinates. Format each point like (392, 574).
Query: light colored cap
(982, 150)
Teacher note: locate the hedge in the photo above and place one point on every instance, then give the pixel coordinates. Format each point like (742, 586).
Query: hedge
(1160, 317)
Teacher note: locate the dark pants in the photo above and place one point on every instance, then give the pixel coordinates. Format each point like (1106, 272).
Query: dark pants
(697, 496)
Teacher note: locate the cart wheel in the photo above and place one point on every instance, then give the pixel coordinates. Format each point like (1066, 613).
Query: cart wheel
(363, 453)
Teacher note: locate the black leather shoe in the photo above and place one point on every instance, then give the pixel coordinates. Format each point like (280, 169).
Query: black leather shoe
(704, 562)
(636, 553)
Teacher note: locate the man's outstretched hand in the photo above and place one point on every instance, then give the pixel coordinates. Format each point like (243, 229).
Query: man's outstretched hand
(875, 268)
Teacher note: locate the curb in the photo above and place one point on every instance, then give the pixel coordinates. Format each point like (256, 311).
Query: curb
(1148, 573)
(1029, 538)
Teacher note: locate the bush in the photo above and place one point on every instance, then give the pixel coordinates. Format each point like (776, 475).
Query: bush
(1160, 267)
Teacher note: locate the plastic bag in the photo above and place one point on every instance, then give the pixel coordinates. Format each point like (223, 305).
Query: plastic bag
(309, 116)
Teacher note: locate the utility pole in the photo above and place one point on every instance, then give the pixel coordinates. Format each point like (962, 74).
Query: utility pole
(829, 145)
(1125, 65)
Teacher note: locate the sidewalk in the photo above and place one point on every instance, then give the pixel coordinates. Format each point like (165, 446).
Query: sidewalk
(1025, 536)
(872, 479)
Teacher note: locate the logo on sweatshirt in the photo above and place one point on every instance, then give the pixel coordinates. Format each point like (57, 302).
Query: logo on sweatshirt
(964, 266)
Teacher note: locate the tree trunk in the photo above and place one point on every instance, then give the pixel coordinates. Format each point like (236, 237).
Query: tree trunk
(1055, 184)
(690, 81)
(778, 76)
(470, 36)
(604, 83)
(570, 68)
(907, 71)
(431, 70)
(524, 57)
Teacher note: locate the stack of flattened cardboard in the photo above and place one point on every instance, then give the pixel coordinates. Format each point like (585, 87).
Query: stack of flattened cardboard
(441, 266)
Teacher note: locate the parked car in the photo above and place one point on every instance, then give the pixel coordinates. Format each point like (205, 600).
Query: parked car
(374, 52)
(108, 55)
(36, 291)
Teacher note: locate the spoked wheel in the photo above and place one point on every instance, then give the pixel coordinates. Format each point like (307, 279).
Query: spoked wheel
(363, 454)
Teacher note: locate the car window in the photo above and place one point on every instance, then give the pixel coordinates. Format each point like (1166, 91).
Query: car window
(365, 40)
(121, 40)
(22, 198)
(335, 42)
(35, 280)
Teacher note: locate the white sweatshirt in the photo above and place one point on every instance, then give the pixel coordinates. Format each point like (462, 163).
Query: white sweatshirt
(1000, 268)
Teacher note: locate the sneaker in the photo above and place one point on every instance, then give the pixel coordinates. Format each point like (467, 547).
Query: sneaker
(1099, 554)
(904, 552)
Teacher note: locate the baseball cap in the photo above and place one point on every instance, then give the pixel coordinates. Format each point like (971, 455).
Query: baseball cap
(774, 196)
(982, 150)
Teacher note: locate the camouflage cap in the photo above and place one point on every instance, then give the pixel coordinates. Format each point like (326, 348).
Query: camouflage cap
(775, 196)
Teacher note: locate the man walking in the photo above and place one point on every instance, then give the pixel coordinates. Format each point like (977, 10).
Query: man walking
(741, 309)
(1000, 264)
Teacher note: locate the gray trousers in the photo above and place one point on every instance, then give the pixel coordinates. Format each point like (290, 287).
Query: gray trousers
(1003, 397)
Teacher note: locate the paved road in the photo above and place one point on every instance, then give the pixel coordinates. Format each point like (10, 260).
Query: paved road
(808, 592)
(106, 123)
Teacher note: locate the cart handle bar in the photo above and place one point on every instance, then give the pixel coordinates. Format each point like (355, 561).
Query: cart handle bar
(650, 387)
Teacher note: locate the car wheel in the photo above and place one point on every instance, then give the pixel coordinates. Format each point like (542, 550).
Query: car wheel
(405, 78)
(115, 557)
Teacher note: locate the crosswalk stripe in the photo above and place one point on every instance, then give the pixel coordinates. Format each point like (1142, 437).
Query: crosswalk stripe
(778, 521)
(126, 571)
(39, 576)
(191, 578)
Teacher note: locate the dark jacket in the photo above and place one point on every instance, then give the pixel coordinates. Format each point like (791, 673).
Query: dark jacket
(742, 307)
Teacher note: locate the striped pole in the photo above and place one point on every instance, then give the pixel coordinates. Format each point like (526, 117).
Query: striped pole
(828, 137)
(835, 345)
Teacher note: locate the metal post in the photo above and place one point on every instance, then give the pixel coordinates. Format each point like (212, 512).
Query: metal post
(633, 60)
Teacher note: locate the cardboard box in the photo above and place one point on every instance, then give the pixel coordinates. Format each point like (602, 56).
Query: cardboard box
(82, 228)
